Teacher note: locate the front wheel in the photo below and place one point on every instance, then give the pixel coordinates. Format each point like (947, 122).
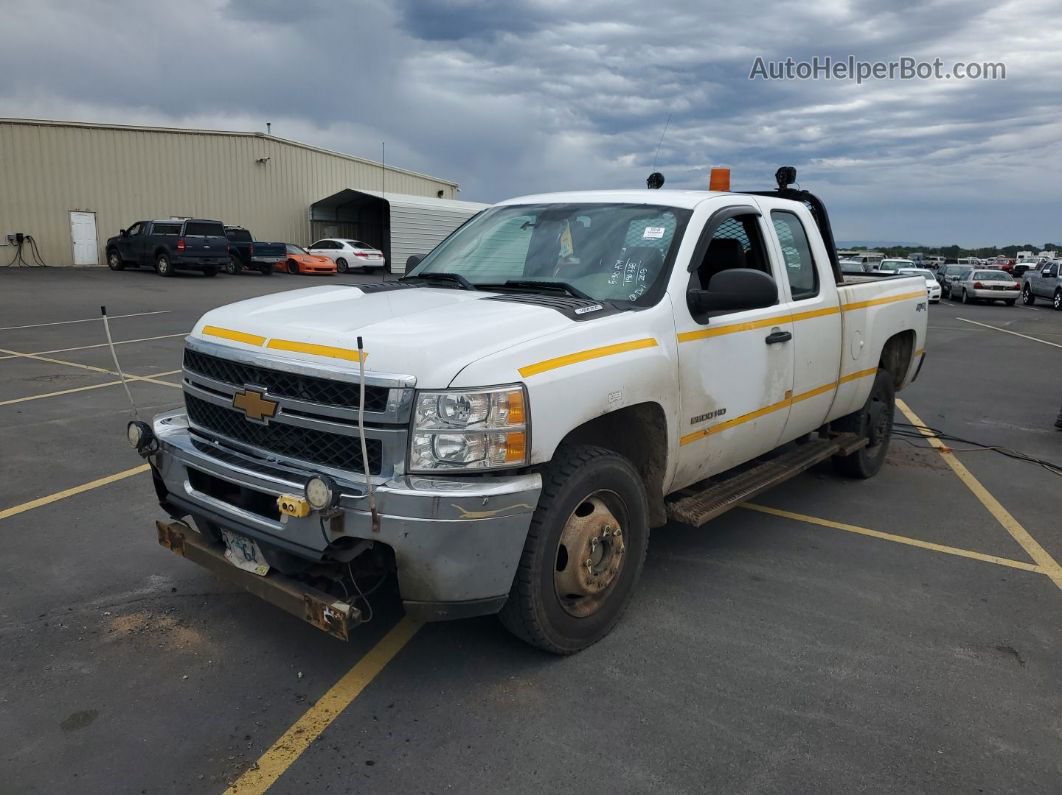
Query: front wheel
(341, 265)
(163, 266)
(584, 551)
(114, 261)
(293, 266)
(233, 266)
(1056, 302)
(1027, 296)
(874, 422)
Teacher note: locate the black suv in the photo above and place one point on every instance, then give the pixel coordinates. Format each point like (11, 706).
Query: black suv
(170, 245)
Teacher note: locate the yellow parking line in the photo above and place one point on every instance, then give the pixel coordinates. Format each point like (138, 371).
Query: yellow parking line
(85, 320)
(281, 754)
(913, 542)
(62, 495)
(97, 345)
(39, 358)
(151, 379)
(1048, 564)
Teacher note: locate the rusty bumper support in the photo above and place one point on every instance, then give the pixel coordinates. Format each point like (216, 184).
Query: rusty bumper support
(310, 604)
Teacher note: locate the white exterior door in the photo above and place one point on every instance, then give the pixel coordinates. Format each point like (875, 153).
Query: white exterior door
(83, 233)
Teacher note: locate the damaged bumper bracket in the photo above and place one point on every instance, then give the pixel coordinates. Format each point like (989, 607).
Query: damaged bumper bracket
(310, 604)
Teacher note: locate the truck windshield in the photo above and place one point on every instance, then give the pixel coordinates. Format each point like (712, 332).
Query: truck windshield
(611, 252)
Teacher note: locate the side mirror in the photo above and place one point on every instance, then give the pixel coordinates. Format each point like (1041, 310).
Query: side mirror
(734, 289)
(413, 260)
(124, 233)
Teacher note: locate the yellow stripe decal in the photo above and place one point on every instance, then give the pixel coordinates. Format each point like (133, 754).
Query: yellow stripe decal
(346, 354)
(789, 401)
(236, 336)
(752, 325)
(921, 351)
(583, 356)
(879, 301)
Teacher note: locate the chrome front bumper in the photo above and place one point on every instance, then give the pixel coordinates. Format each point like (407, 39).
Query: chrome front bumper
(457, 541)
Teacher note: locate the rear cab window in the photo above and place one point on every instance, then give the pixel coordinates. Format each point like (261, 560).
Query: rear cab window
(796, 254)
(238, 235)
(203, 229)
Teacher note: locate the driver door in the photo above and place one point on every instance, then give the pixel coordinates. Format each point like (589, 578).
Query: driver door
(735, 368)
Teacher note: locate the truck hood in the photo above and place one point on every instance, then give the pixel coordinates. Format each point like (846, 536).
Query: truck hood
(430, 333)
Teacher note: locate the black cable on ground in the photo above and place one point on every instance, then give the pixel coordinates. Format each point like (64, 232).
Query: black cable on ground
(908, 431)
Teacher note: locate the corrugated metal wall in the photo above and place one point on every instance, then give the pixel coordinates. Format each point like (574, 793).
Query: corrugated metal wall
(416, 230)
(122, 174)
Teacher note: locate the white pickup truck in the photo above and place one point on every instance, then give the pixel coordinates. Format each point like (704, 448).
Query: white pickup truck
(561, 374)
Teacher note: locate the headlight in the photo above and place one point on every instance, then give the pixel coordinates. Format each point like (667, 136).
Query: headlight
(469, 429)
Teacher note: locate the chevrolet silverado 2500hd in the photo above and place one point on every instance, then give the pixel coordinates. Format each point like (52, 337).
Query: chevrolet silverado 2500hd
(560, 375)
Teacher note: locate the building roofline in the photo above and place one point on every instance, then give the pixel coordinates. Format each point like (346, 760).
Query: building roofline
(239, 133)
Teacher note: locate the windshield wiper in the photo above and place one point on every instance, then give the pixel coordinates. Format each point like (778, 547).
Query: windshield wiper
(548, 285)
(456, 278)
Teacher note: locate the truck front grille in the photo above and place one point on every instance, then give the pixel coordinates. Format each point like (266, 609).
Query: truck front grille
(313, 446)
(282, 384)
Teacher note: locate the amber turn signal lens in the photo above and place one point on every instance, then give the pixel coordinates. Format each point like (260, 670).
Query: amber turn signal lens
(515, 447)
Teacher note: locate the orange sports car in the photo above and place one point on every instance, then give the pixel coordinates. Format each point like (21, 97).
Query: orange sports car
(299, 260)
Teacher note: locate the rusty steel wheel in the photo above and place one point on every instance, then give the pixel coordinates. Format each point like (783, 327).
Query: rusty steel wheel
(589, 557)
(584, 551)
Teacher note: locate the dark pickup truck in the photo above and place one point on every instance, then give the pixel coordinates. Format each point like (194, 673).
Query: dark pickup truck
(246, 252)
(170, 245)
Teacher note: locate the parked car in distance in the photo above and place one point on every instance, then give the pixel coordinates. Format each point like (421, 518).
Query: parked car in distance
(949, 275)
(247, 253)
(348, 254)
(851, 266)
(1043, 282)
(299, 260)
(932, 288)
(169, 245)
(892, 265)
(984, 284)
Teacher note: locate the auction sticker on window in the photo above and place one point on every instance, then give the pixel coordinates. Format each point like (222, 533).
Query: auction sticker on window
(653, 233)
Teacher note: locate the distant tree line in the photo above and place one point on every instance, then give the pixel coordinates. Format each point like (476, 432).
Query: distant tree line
(954, 252)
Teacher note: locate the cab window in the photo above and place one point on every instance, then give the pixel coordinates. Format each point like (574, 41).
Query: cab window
(796, 254)
(735, 243)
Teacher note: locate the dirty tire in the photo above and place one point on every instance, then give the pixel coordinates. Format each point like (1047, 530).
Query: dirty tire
(163, 266)
(341, 265)
(874, 420)
(535, 612)
(234, 265)
(1027, 296)
(114, 261)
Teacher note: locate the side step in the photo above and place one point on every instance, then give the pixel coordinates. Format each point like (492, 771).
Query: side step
(697, 506)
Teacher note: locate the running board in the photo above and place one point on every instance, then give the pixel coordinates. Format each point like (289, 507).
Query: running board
(697, 506)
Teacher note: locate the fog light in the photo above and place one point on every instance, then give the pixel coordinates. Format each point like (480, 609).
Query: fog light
(321, 492)
(141, 437)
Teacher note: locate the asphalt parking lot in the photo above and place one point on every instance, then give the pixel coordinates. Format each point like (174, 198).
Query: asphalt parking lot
(897, 634)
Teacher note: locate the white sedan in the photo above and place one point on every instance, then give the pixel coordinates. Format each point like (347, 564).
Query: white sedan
(932, 285)
(348, 254)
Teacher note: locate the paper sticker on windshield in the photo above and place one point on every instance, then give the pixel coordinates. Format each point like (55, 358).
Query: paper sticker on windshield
(653, 233)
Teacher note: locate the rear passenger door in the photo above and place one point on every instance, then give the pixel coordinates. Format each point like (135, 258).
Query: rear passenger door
(1045, 284)
(812, 301)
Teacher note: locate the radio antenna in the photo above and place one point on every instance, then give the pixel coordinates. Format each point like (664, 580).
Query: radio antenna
(658, 143)
(361, 432)
(117, 366)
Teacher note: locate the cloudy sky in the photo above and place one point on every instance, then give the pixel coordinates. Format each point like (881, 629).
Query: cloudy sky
(519, 97)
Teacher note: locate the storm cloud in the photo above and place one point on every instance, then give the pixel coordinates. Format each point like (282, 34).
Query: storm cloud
(522, 97)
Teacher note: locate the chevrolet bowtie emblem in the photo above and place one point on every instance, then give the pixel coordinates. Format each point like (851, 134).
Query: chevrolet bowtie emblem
(254, 404)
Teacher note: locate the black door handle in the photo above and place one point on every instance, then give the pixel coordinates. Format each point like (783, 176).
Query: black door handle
(778, 336)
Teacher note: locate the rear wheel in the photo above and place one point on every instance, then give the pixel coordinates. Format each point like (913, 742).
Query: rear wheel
(341, 265)
(163, 265)
(874, 422)
(114, 261)
(293, 266)
(965, 296)
(1010, 301)
(210, 271)
(266, 270)
(234, 265)
(1027, 296)
(584, 551)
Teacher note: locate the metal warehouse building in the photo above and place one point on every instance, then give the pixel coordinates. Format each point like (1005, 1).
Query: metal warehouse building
(72, 185)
